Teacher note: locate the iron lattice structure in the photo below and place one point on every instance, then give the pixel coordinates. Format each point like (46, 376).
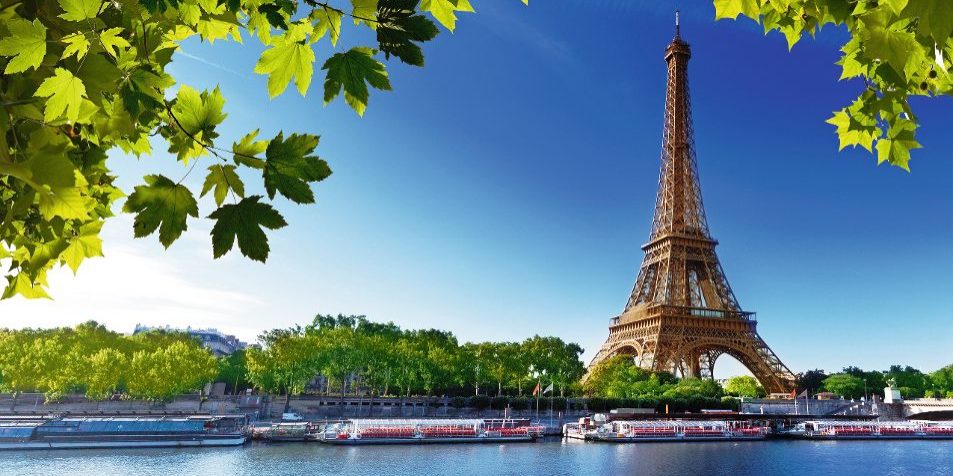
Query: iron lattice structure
(682, 314)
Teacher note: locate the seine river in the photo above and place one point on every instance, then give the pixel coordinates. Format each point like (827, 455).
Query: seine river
(549, 457)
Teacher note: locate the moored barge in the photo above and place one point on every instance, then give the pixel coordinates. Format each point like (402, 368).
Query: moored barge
(870, 430)
(622, 431)
(121, 432)
(401, 431)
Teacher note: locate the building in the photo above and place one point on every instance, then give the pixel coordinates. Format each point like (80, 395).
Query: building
(219, 343)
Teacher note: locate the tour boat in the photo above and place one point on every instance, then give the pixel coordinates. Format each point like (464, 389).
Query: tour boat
(121, 432)
(665, 430)
(401, 431)
(870, 430)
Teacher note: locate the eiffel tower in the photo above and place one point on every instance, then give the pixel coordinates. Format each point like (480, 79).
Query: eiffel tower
(682, 314)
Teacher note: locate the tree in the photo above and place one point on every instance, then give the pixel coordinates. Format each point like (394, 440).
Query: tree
(744, 386)
(942, 380)
(233, 370)
(165, 372)
(812, 380)
(83, 78)
(845, 385)
(898, 48)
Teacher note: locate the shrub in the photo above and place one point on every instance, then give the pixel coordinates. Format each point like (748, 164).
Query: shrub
(519, 403)
(480, 402)
(559, 404)
(458, 402)
(597, 404)
(499, 403)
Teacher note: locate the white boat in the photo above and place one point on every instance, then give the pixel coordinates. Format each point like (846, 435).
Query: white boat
(622, 431)
(871, 430)
(409, 431)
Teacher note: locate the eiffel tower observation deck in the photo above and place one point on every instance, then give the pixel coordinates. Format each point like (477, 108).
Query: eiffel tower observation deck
(682, 314)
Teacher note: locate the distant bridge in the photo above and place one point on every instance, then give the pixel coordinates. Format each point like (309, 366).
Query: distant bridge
(926, 408)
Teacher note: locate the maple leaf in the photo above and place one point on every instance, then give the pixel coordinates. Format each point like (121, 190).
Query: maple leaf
(349, 71)
(161, 204)
(65, 93)
(26, 44)
(289, 169)
(288, 57)
(244, 221)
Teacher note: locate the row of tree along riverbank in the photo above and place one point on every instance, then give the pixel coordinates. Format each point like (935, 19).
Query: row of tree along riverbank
(351, 356)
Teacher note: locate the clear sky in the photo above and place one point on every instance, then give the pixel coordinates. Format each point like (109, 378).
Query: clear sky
(504, 190)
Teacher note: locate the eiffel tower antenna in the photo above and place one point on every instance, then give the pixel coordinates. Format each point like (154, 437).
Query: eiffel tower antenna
(677, 28)
(682, 314)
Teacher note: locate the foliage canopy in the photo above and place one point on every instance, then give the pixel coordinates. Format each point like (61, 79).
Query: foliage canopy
(899, 48)
(82, 78)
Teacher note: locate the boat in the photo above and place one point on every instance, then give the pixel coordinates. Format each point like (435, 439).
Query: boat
(621, 431)
(121, 432)
(409, 431)
(870, 430)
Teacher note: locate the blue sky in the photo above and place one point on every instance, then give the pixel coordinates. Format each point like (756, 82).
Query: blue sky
(504, 190)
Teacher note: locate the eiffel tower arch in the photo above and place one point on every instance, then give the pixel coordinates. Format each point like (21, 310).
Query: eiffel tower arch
(682, 314)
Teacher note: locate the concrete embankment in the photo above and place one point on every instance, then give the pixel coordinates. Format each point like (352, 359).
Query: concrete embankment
(271, 407)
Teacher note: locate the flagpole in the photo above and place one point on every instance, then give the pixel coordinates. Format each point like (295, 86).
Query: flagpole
(537, 401)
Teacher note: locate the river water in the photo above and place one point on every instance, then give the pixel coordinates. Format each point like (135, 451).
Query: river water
(547, 457)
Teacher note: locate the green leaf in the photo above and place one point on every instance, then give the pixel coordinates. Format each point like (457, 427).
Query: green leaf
(26, 44)
(365, 11)
(288, 57)
(197, 115)
(289, 169)
(896, 5)
(65, 93)
(86, 244)
(444, 11)
(51, 167)
(244, 221)
(399, 28)
(223, 178)
(733, 8)
(896, 147)
(21, 284)
(854, 132)
(896, 46)
(113, 43)
(64, 202)
(76, 44)
(161, 204)
(247, 150)
(935, 18)
(326, 20)
(79, 10)
(349, 71)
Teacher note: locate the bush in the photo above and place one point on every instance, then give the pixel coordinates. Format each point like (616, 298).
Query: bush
(559, 404)
(519, 403)
(597, 404)
(499, 403)
(458, 402)
(480, 402)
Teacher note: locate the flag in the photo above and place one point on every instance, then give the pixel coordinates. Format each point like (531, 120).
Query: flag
(548, 389)
(802, 394)
(536, 390)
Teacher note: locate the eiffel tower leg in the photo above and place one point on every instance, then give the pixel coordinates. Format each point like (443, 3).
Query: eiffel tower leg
(694, 365)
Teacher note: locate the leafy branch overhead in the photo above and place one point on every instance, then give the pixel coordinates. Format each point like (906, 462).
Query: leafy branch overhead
(899, 48)
(82, 78)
